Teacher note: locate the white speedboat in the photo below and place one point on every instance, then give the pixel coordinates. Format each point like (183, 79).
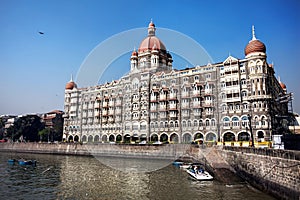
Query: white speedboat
(185, 166)
(200, 175)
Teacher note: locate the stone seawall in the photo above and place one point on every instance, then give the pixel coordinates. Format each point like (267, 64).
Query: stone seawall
(273, 171)
(169, 151)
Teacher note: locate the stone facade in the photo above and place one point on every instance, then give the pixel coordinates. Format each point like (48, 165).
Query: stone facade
(156, 102)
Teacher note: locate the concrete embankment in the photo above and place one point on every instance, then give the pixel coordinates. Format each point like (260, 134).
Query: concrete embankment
(170, 151)
(274, 171)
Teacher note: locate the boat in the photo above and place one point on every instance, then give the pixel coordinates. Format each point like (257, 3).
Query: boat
(199, 174)
(11, 161)
(185, 166)
(177, 163)
(27, 162)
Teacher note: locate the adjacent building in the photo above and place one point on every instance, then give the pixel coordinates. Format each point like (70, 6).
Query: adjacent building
(218, 102)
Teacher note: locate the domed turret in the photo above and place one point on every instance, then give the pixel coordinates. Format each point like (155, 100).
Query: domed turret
(151, 40)
(254, 45)
(71, 84)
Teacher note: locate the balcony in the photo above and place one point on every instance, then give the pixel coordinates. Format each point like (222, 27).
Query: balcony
(162, 97)
(91, 106)
(97, 113)
(104, 113)
(196, 105)
(111, 112)
(105, 104)
(196, 93)
(153, 109)
(185, 94)
(173, 96)
(111, 103)
(173, 114)
(172, 107)
(118, 103)
(162, 108)
(153, 99)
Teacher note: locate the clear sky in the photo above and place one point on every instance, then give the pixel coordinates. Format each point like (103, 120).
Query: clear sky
(34, 68)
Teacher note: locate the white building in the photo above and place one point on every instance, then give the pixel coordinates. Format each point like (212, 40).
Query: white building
(156, 102)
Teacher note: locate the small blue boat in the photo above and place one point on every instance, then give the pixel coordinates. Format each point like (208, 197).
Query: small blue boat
(11, 161)
(27, 162)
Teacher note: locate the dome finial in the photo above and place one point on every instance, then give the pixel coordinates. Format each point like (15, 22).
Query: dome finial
(71, 78)
(151, 29)
(253, 33)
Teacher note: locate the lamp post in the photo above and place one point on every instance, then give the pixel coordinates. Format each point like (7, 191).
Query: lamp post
(250, 127)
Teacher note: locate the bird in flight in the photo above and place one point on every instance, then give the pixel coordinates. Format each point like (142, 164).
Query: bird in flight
(40, 32)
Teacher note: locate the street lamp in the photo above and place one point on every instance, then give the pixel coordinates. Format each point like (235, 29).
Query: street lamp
(250, 127)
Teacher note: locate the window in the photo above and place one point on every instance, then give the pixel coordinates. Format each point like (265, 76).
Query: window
(161, 125)
(207, 76)
(207, 122)
(235, 121)
(244, 94)
(213, 122)
(224, 108)
(226, 122)
(243, 82)
(195, 123)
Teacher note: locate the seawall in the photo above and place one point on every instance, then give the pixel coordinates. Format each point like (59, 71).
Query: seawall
(274, 171)
(168, 151)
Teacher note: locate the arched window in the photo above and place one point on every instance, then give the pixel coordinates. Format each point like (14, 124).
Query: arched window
(172, 124)
(176, 124)
(183, 123)
(226, 122)
(195, 123)
(235, 121)
(161, 124)
(200, 123)
(245, 121)
(207, 122)
(213, 122)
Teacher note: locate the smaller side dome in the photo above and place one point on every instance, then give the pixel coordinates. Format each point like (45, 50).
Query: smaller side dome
(134, 53)
(282, 85)
(71, 85)
(254, 45)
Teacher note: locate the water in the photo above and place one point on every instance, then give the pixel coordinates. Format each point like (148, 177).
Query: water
(71, 177)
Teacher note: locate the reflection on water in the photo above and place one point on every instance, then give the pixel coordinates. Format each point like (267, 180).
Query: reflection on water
(70, 177)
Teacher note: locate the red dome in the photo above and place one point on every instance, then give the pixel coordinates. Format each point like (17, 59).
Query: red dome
(255, 46)
(70, 85)
(148, 44)
(134, 53)
(282, 85)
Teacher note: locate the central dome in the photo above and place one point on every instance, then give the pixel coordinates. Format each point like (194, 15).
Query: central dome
(151, 41)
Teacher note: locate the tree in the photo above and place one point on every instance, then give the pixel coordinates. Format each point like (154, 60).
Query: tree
(27, 126)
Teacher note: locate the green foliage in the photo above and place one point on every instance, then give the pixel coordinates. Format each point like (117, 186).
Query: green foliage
(27, 126)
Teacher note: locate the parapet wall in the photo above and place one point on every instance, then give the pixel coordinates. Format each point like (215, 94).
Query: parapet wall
(271, 170)
(168, 151)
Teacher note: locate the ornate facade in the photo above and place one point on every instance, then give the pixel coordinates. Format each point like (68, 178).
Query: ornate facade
(156, 102)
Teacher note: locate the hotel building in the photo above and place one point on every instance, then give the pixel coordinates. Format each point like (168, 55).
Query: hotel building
(154, 102)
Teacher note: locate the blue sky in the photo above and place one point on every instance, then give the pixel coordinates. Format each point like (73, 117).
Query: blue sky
(34, 68)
